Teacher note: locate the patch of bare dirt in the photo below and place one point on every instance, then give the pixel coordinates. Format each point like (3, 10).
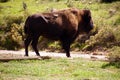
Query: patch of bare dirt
(6, 55)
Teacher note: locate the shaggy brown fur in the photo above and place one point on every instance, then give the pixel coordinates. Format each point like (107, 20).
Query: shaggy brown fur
(64, 25)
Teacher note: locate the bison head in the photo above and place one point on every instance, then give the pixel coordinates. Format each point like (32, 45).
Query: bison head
(86, 21)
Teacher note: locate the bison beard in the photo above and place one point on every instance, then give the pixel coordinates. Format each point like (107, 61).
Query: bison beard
(64, 25)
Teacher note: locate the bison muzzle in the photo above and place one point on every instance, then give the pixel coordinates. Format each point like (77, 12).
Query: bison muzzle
(63, 25)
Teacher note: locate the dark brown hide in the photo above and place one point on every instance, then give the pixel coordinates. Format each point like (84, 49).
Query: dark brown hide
(64, 25)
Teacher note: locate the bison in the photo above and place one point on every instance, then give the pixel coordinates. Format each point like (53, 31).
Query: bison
(63, 25)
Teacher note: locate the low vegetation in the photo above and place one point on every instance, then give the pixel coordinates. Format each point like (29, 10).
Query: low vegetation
(114, 55)
(59, 69)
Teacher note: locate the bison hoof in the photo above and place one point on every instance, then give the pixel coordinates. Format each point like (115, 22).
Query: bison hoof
(38, 54)
(25, 55)
(68, 56)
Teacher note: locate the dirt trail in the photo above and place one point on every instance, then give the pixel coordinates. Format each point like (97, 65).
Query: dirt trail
(6, 55)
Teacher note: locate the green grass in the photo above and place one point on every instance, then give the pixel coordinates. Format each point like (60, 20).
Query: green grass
(59, 69)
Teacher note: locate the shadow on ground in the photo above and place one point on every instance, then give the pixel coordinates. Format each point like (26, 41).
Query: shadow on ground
(110, 64)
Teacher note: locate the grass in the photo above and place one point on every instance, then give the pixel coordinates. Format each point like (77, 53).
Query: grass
(59, 69)
(16, 7)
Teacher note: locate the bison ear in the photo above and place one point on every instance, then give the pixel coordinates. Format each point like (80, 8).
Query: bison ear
(86, 15)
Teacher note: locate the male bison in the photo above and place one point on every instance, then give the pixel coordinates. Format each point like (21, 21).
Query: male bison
(63, 25)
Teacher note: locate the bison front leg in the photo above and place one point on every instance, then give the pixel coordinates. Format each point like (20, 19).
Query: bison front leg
(66, 47)
(34, 45)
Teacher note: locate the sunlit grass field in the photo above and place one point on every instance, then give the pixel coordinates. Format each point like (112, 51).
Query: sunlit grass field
(59, 69)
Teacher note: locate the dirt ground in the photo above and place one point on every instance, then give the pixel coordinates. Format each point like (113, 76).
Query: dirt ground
(7, 55)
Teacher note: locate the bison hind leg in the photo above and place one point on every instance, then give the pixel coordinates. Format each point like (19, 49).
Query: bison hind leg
(27, 42)
(34, 45)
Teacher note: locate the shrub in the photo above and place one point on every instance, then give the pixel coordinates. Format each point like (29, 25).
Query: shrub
(104, 38)
(50, 45)
(17, 33)
(12, 30)
(43, 43)
(114, 54)
(7, 42)
(79, 43)
(116, 32)
(9, 20)
(13, 19)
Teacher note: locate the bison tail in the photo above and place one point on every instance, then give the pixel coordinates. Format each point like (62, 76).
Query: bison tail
(25, 29)
(26, 26)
